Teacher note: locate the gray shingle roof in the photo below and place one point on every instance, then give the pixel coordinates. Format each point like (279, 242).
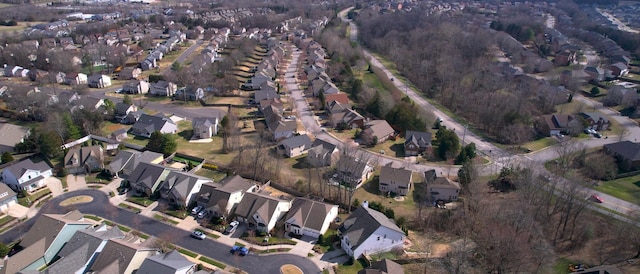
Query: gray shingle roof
(385, 266)
(180, 183)
(18, 169)
(626, 149)
(147, 124)
(309, 213)
(6, 189)
(116, 256)
(169, 262)
(363, 222)
(420, 139)
(11, 134)
(147, 174)
(388, 173)
(81, 247)
(297, 141)
(252, 203)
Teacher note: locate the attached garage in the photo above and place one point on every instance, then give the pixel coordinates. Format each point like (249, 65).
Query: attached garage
(7, 197)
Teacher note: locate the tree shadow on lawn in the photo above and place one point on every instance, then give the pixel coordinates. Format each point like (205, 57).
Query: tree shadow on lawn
(186, 134)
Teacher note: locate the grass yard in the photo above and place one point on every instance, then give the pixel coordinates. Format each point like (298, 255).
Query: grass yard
(351, 267)
(390, 148)
(627, 189)
(142, 201)
(217, 176)
(344, 135)
(109, 127)
(369, 192)
(540, 143)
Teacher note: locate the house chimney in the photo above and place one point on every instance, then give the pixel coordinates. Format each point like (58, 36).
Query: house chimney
(365, 204)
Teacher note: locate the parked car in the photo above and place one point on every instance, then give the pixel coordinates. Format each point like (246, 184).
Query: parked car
(232, 227)
(202, 214)
(597, 135)
(198, 235)
(596, 198)
(123, 190)
(240, 250)
(197, 210)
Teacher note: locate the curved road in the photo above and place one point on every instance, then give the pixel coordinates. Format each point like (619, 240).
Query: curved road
(503, 158)
(100, 206)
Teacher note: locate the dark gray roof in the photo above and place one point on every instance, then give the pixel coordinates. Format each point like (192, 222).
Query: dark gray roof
(116, 256)
(297, 141)
(309, 213)
(81, 248)
(596, 116)
(18, 169)
(180, 183)
(11, 134)
(9, 193)
(147, 124)
(626, 149)
(421, 139)
(254, 203)
(326, 146)
(385, 266)
(147, 174)
(169, 262)
(363, 222)
(203, 121)
(121, 108)
(388, 173)
(122, 158)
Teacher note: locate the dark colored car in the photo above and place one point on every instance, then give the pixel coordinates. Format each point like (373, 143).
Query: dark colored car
(240, 250)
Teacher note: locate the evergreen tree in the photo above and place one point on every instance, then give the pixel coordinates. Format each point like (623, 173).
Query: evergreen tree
(6, 157)
(155, 142)
(73, 131)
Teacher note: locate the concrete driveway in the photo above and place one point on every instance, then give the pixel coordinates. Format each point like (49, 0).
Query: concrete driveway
(55, 185)
(76, 182)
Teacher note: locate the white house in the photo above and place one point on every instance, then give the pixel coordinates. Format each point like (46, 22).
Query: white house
(7, 198)
(171, 262)
(368, 231)
(99, 81)
(260, 211)
(163, 88)
(310, 218)
(294, 146)
(205, 127)
(26, 175)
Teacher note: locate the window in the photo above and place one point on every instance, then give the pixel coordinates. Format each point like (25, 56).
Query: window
(378, 238)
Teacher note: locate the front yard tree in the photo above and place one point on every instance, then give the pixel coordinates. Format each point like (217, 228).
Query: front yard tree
(6, 157)
(127, 99)
(169, 144)
(467, 153)
(322, 99)
(595, 91)
(448, 142)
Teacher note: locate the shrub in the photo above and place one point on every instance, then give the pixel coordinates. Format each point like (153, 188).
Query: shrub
(210, 166)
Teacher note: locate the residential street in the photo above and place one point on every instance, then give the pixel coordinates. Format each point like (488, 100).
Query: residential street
(101, 206)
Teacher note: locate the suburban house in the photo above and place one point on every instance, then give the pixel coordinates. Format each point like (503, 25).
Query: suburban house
(416, 142)
(596, 120)
(626, 153)
(441, 188)
(119, 135)
(122, 110)
(205, 127)
(67, 97)
(222, 198)
(84, 160)
(147, 177)
(126, 161)
(82, 249)
(322, 153)
(132, 117)
(122, 256)
(294, 146)
(555, 124)
(74, 78)
(99, 81)
(129, 73)
(7, 198)
(595, 73)
(136, 87)
(181, 188)
(147, 124)
(377, 131)
(618, 69)
(44, 240)
(384, 266)
(89, 103)
(26, 175)
(309, 218)
(163, 88)
(171, 262)
(10, 135)
(280, 128)
(259, 211)
(367, 231)
(341, 98)
(189, 94)
(342, 116)
(396, 180)
(354, 171)
(620, 95)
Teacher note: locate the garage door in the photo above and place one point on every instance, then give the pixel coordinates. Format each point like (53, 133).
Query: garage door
(311, 233)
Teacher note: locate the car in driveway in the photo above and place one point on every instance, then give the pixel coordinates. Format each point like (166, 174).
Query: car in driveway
(197, 210)
(232, 227)
(596, 198)
(202, 214)
(240, 250)
(198, 235)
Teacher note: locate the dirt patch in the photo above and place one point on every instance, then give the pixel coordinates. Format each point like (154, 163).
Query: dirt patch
(277, 193)
(290, 269)
(229, 100)
(77, 200)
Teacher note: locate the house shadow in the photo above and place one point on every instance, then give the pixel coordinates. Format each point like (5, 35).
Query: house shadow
(301, 163)
(337, 255)
(398, 149)
(186, 134)
(373, 186)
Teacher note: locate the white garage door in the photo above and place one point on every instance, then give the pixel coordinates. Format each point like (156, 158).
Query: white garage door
(311, 233)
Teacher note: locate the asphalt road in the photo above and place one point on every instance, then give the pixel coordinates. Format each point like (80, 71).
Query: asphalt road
(101, 207)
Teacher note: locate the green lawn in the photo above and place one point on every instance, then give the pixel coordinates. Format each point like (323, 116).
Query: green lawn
(369, 192)
(143, 201)
(540, 143)
(352, 268)
(627, 189)
(213, 174)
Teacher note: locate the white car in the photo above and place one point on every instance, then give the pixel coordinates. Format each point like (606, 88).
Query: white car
(202, 214)
(232, 227)
(197, 210)
(198, 235)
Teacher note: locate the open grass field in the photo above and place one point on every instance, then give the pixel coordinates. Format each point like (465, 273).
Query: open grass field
(19, 27)
(627, 189)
